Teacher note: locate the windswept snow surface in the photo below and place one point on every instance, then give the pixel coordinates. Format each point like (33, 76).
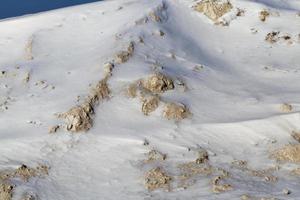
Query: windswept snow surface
(235, 98)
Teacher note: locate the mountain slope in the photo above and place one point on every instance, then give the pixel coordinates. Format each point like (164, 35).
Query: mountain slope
(236, 98)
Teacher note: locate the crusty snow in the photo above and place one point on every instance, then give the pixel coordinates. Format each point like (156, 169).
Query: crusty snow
(236, 83)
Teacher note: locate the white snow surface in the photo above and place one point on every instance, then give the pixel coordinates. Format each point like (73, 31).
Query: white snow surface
(234, 100)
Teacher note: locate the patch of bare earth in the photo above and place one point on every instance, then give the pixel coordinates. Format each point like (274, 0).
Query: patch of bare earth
(191, 170)
(158, 83)
(263, 15)
(213, 9)
(275, 36)
(296, 136)
(6, 191)
(24, 173)
(155, 155)
(265, 174)
(218, 186)
(150, 104)
(288, 153)
(125, 55)
(176, 111)
(157, 178)
(286, 107)
(80, 117)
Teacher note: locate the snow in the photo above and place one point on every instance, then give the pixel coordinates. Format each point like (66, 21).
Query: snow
(235, 100)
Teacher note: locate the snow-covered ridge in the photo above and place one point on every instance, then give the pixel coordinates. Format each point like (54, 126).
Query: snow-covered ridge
(193, 106)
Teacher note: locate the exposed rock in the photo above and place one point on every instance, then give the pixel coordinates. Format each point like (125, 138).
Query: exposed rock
(157, 179)
(272, 37)
(288, 153)
(29, 197)
(213, 9)
(160, 33)
(240, 163)
(25, 173)
(240, 12)
(123, 56)
(108, 68)
(99, 92)
(286, 191)
(132, 90)
(6, 191)
(218, 187)
(150, 104)
(286, 107)
(158, 83)
(54, 129)
(263, 15)
(27, 77)
(191, 170)
(154, 16)
(78, 118)
(155, 155)
(202, 156)
(176, 111)
(296, 135)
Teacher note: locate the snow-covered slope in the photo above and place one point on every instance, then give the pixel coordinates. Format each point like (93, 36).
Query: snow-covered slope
(242, 93)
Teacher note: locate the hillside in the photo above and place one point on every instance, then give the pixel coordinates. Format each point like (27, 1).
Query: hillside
(161, 99)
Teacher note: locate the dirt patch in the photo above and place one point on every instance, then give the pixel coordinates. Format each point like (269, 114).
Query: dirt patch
(286, 107)
(24, 173)
(190, 171)
(275, 36)
(265, 174)
(132, 90)
(99, 92)
(78, 118)
(123, 56)
(218, 187)
(202, 156)
(213, 9)
(296, 136)
(150, 104)
(288, 153)
(154, 16)
(155, 155)
(6, 191)
(263, 15)
(157, 178)
(29, 197)
(272, 37)
(108, 68)
(158, 83)
(53, 129)
(26, 77)
(176, 111)
(240, 12)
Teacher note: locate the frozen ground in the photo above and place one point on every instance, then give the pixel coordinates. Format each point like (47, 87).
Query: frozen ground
(242, 92)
